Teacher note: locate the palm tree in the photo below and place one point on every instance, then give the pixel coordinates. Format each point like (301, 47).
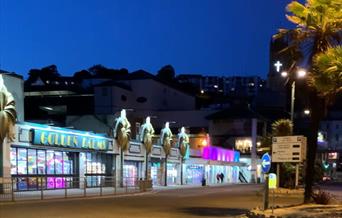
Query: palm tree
(318, 27)
(8, 116)
(282, 127)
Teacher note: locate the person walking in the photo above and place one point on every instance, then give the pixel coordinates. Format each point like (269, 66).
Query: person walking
(218, 177)
(222, 177)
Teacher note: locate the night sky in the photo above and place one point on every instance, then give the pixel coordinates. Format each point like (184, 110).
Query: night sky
(209, 37)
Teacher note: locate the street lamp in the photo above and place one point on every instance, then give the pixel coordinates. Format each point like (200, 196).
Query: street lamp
(300, 74)
(307, 112)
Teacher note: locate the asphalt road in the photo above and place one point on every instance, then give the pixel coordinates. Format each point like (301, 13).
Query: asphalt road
(220, 201)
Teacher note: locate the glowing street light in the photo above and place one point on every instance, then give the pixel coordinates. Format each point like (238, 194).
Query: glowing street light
(301, 73)
(284, 74)
(307, 112)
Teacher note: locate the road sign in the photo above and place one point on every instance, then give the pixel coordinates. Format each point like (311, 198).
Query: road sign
(265, 163)
(289, 149)
(272, 181)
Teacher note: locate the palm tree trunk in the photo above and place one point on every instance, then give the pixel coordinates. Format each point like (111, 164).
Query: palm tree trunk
(165, 171)
(317, 112)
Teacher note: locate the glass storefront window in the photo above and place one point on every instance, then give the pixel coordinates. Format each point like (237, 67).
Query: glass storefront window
(172, 174)
(67, 164)
(22, 161)
(13, 161)
(50, 162)
(41, 162)
(32, 161)
(58, 162)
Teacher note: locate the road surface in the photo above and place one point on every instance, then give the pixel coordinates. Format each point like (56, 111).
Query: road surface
(219, 201)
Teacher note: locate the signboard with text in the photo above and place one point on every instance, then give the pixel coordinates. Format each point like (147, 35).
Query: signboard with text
(288, 149)
(70, 139)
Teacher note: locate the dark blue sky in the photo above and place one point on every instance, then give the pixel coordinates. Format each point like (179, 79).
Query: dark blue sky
(212, 37)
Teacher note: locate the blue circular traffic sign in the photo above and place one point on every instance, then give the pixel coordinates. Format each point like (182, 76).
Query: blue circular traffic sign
(266, 163)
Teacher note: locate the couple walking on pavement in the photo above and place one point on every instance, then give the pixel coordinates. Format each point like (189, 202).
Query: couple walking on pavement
(219, 177)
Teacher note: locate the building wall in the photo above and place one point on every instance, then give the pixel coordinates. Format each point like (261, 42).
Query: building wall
(229, 127)
(145, 94)
(333, 131)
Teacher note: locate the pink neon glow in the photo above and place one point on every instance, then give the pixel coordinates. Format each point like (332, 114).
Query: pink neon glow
(220, 154)
(57, 182)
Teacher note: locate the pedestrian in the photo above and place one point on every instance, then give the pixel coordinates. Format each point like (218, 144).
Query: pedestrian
(218, 177)
(222, 177)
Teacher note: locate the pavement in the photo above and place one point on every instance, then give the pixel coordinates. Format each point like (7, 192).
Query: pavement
(213, 201)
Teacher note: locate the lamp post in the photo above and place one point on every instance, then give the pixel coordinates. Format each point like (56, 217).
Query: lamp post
(300, 74)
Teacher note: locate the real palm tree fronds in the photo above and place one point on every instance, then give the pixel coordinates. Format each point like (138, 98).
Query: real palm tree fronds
(326, 76)
(318, 26)
(282, 127)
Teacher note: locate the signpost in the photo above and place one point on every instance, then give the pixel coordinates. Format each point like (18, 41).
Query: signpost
(289, 149)
(266, 163)
(266, 166)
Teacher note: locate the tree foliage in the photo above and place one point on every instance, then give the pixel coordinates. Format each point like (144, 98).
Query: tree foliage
(166, 73)
(282, 127)
(326, 76)
(318, 27)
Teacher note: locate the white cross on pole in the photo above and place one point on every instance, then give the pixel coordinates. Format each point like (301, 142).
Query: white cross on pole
(278, 65)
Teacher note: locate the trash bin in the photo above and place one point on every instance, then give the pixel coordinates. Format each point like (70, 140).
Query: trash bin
(204, 182)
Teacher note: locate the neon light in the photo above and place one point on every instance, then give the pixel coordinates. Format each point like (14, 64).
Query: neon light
(220, 154)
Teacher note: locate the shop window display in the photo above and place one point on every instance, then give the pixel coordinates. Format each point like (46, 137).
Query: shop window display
(27, 166)
(95, 168)
(41, 162)
(50, 162)
(32, 161)
(13, 161)
(22, 161)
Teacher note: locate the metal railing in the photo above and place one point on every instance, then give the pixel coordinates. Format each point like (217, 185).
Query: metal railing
(43, 187)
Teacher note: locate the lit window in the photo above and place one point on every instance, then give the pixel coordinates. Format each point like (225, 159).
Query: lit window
(66, 83)
(47, 81)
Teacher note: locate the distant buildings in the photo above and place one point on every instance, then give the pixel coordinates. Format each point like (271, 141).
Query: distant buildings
(247, 86)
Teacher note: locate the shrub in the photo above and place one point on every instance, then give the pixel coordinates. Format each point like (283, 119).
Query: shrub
(321, 197)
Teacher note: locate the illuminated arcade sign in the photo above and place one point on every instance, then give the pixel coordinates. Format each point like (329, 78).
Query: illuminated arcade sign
(220, 154)
(70, 139)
